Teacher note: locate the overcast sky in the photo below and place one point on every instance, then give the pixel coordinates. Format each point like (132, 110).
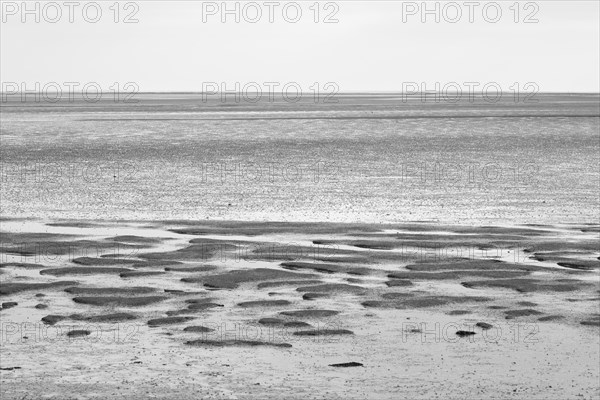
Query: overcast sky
(370, 48)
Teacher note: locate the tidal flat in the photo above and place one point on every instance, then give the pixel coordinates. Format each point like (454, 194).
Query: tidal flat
(271, 310)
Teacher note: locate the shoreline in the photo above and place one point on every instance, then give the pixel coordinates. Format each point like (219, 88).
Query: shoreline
(379, 224)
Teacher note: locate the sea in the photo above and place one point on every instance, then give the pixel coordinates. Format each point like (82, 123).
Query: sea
(358, 157)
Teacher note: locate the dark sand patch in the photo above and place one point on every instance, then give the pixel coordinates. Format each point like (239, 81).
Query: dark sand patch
(529, 285)
(281, 322)
(448, 275)
(445, 237)
(343, 259)
(347, 365)
(202, 268)
(585, 265)
(464, 333)
(314, 296)
(168, 321)
(439, 301)
(324, 253)
(9, 304)
(560, 246)
(484, 325)
(231, 242)
(204, 306)
(264, 285)
(179, 292)
(585, 299)
(264, 303)
(119, 301)
(297, 324)
(328, 254)
(83, 271)
(591, 229)
(195, 252)
(565, 253)
(510, 314)
(200, 300)
(35, 237)
(293, 252)
(564, 260)
(375, 244)
(551, 318)
(22, 265)
(53, 319)
(263, 228)
(310, 313)
(232, 279)
(333, 288)
(135, 239)
(32, 245)
(374, 304)
(40, 306)
(459, 312)
(271, 321)
(527, 304)
(324, 332)
(196, 306)
(136, 274)
(90, 261)
(495, 230)
(326, 268)
(78, 333)
(594, 322)
(354, 280)
(114, 317)
(156, 263)
(117, 255)
(396, 295)
(434, 241)
(198, 329)
(11, 288)
(241, 343)
(174, 313)
(74, 224)
(424, 302)
(399, 283)
(473, 265)
(133, 290)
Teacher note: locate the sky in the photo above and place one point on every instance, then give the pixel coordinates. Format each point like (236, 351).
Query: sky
(363, 46)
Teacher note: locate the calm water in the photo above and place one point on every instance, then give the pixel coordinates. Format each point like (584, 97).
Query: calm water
(365, 158)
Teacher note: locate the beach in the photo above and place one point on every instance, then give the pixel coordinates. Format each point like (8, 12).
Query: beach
(373, 248)
(213, 309)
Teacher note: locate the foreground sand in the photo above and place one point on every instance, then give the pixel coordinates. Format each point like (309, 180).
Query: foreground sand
(283, 310)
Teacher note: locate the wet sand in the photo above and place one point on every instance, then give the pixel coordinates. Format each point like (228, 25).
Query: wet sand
(175, 309)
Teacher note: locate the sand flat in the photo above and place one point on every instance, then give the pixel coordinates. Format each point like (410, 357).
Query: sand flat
(401, 319)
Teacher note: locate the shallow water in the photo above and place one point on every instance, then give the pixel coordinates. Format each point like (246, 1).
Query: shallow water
(366, 158)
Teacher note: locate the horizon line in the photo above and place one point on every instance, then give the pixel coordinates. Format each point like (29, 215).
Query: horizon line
(336, 94)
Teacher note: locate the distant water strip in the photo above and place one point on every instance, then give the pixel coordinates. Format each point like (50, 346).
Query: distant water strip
(348, 117)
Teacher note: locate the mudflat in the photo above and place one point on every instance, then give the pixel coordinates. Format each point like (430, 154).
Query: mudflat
(204, 309)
